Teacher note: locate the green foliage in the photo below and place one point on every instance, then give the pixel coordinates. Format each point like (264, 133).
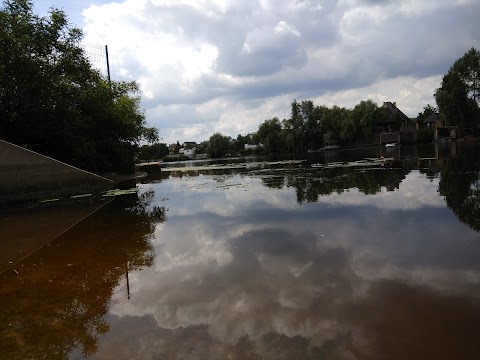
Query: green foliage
(217, 146)
(468, 69)
(303, 128)
(153, 152)
(361, 121)
(55, 103)
(310, 126)
(458, 96)
(333, 122)
(269, 135)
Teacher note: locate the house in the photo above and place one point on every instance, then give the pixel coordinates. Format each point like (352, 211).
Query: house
(395, 118)
(189, 144)
(252, 147)
(172, 148)
(446, 132)
(433, 120)
(190, 153)
(393, 115)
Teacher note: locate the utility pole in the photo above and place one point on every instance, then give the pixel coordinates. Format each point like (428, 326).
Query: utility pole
(108, 64)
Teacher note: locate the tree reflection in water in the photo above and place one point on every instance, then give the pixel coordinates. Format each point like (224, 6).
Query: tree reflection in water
(460, 185)
(311, 184)
(59, 300)
(459, 181)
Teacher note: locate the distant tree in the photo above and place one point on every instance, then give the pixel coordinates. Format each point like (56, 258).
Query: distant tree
(458, 96)
(364, 115)
(153, 152)
(269, 135)
(295, 127)
(332, 121)
(53, 101)
(217, 145)
(468, 69)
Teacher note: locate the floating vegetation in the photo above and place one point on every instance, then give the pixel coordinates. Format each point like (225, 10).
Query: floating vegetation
(81, 196)
(48, 200)
(231, 166)
(117, 192)
(358, 163)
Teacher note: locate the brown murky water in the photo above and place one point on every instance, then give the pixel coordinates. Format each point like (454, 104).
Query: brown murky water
(336, 257)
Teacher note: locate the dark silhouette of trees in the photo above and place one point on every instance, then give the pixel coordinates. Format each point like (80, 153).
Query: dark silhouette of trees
(53, 101)
(458, 96)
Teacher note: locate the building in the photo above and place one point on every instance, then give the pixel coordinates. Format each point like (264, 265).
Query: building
(394, 118)
(432, 120)
(189, 144)
(190, 153)
(251, 146)
(394, 115)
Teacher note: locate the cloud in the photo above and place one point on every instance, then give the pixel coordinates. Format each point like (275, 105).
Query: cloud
(244, 57)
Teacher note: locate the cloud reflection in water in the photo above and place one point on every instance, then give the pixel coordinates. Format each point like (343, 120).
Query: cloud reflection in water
(251, 270)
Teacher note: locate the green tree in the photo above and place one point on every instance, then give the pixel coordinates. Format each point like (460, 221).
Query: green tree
(269, 135)
(332, 121)
(311, 125)
(54, 102)
(217, 146)
(458, 96)
(365, 116)
(295, 128)
(153, 151)
(468, 69)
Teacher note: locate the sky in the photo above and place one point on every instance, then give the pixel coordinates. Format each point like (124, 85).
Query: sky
(207, 66)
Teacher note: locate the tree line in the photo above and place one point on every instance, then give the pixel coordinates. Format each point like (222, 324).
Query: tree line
(54, 102)
(311, 126)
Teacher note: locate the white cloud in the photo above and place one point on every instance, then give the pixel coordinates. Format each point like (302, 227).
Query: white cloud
(283, 28)
(208, 66)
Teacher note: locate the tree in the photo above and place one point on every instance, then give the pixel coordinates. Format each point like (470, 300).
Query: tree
(153, 151)
(54, 102)
(217, 145)
(332, 122)
(458, 96)
(468, 69)
(295, 127)
(269, 135)
(363, 118)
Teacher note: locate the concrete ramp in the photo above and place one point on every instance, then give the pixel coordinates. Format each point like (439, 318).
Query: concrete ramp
(26, 175)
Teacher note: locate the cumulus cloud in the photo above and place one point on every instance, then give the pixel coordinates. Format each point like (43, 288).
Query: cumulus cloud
(226, 65)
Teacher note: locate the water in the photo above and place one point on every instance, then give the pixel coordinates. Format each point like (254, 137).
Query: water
(326, 258)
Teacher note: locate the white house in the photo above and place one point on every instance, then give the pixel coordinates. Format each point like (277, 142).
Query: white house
(190, 152)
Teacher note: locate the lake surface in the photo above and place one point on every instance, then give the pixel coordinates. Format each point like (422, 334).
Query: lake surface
(343, 255)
